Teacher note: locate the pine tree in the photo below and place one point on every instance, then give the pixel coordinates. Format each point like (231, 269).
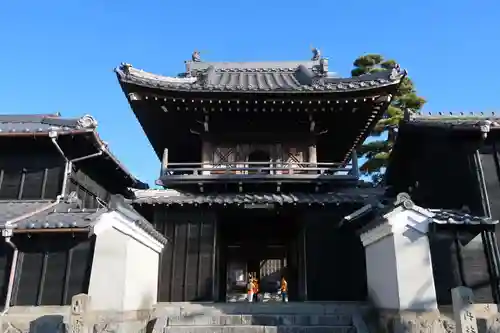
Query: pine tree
(377, 151)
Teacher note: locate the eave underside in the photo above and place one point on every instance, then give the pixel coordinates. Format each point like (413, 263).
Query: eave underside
(342, 121)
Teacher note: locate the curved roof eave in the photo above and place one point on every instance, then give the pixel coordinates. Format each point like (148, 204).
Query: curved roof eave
(297, 82)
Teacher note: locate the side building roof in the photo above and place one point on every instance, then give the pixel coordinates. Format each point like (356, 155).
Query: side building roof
(372, 216)
(439, 148)
(459, 121)
(66, 214)
(69, 129)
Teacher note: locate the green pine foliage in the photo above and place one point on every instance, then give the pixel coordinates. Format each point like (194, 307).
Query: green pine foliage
(377, 152)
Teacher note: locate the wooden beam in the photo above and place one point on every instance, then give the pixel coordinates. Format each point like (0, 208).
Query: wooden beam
(164, 162)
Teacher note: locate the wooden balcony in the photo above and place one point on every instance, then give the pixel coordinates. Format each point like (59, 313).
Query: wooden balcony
(240, 172)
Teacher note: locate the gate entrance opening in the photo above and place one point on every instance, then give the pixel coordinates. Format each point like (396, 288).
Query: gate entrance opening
(260, 242)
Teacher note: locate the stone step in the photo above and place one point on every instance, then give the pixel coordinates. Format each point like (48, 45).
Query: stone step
(293, 308)
(262, 320)
(258, 329)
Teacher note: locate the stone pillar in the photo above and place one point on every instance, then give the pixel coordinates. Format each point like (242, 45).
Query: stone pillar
(398, 260)
(78, 320)
(463, 312)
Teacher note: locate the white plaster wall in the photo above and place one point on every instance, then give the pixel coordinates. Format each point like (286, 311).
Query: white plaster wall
(141, 285)
(399, 266)
(381, 273)
(414, 273)
(109, 270)
(124, 272)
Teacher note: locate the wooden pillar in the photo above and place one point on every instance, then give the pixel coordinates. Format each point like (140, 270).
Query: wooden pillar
(206, 155)
(206, 152)
(304, 260)
(164, 162)
(354, 163)
(313, 159)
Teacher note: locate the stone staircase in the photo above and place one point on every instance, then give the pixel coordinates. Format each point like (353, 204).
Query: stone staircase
(260, 318)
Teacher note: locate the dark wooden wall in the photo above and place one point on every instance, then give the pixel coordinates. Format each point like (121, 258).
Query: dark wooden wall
(51, 268)
(6, 253)
(335, 259)
(87, 189)
(187, 267)
(490, 161)
(30, 170)
(440, 170)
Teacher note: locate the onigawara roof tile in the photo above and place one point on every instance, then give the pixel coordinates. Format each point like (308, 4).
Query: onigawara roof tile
(44, 124)
(67, 214)
(251, 77)
(443, 216)
(377, 213)
(170, 197)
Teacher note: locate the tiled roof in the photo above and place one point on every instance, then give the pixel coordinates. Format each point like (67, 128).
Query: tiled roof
(46, 214)
(12, 125)
(62, 216)
(173, 197)
(442, 216)
(24, 215)
(44, 123)
(403, 202)
(481, 120)
(249, 78)
(14, 209)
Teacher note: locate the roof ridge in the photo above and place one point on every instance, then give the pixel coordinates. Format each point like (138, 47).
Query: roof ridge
(456, 114)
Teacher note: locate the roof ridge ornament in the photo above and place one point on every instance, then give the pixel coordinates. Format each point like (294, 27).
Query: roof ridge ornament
(195, 56)
(404, 199)
(397, 73)
(485, 127)
(72, 198)
(87, 121)
(316, 54)
(125, 67)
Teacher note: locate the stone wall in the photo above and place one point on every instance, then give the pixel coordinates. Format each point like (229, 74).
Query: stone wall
(488, 320)
(75, 318)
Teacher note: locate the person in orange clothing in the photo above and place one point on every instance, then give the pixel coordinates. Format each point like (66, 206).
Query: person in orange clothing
(284, 289)
(256, 288)
(250, 288)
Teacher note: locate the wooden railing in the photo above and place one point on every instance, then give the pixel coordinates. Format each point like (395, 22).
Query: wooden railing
(254, 168)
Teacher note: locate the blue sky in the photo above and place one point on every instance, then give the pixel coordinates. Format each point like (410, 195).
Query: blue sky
(58, 56)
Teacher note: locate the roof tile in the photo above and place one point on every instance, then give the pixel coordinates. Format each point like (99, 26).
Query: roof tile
(13, 124)
(300, 78)
(66, 215)
(14, 209)
(443, 216)
(174, 197)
